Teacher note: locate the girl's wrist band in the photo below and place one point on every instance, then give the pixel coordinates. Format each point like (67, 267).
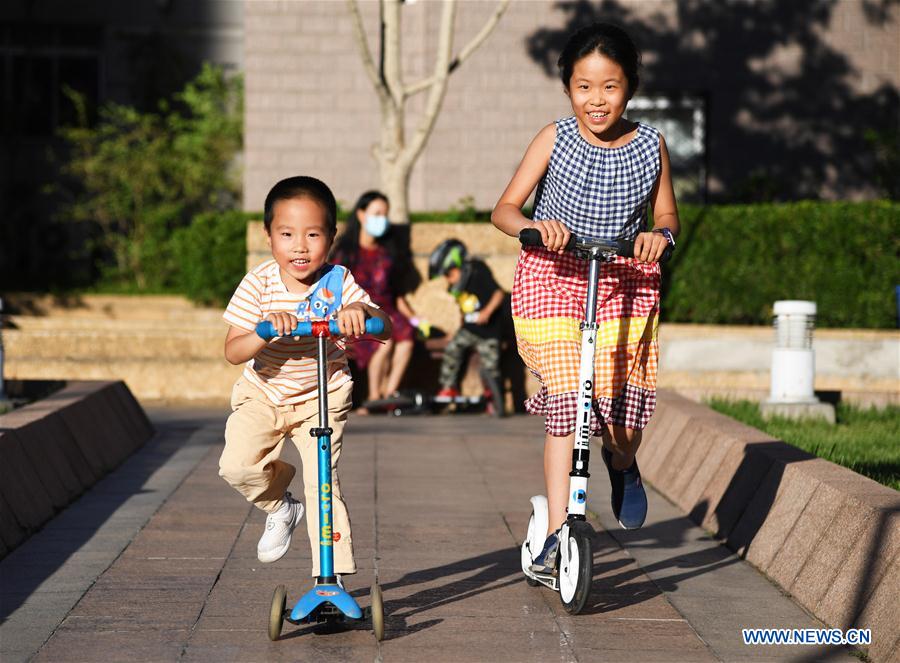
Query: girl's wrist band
(665, 232)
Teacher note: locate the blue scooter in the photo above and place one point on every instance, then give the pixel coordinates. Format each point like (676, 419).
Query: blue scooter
(327, 601)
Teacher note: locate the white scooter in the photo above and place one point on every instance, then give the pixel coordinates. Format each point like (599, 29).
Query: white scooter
(574, 560)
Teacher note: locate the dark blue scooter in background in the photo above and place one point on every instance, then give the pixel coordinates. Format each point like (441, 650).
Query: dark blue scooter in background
(327, 601)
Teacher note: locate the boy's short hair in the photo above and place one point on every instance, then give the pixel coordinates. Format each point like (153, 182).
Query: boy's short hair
(302, 186)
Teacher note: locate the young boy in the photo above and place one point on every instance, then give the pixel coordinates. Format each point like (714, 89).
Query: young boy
(276, 394)
(479, 297)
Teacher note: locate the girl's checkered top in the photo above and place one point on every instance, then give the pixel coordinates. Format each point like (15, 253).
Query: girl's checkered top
(599, 192)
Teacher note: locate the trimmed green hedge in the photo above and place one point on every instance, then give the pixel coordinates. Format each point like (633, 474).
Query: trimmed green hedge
(734, 261)
(211, 254)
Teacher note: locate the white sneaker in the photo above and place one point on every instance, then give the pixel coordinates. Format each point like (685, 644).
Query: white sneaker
(276, 538)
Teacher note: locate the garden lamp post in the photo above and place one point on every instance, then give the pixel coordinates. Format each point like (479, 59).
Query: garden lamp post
(793, 365)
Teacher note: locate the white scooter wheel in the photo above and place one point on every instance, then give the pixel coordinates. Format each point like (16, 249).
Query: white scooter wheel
(526, 554)
(576, 565)
(534, 536)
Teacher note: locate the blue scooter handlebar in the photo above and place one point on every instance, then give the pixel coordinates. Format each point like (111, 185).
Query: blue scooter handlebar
(266, 330)
(619, 247)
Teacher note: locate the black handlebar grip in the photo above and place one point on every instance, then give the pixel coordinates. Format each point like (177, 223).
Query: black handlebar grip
(626, 250)
(667, 254)
(532, 237)
(625, 247)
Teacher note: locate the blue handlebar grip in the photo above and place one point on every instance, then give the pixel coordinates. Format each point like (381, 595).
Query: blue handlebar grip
(374, 326)
(266, 330)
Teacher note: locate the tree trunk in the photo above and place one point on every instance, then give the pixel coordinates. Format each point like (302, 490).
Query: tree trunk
(395, 185)
(392, 171)
(395, 157)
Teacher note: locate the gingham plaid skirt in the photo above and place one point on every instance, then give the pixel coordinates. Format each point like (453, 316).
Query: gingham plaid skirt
(548, 299)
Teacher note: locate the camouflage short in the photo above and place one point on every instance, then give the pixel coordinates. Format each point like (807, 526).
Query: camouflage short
(457, 350)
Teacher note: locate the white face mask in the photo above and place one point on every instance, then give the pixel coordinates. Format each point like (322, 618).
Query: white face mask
(376, 225)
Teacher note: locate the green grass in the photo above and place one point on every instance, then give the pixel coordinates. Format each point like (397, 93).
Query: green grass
(866, 440)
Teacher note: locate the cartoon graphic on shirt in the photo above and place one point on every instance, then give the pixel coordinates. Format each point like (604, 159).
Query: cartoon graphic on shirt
(324, 297)
(468, 303)
(321, 301)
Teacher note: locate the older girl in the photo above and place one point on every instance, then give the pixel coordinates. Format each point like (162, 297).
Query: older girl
(596, 173)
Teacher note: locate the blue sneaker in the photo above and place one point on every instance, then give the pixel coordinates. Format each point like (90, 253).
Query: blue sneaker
(629, 501)
(545, 563)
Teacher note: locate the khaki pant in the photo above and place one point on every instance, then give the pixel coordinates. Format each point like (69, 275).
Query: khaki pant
(254, 437)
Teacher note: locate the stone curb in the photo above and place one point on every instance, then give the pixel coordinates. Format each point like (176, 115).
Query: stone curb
(825, 534)
(57, 447)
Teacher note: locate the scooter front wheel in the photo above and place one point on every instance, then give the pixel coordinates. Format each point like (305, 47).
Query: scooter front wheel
(276, 612)
(526, 552)
(377, 612)
(534, 536)
(576, 566)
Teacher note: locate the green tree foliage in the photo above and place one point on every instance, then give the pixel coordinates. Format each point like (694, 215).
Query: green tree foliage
(141, 176)
(734, 261)
(885, 145)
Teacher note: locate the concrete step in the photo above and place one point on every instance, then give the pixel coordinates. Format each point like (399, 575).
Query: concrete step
(107, 332)
(108, 307)
(65, 324)
(104, 345)
(160, 378)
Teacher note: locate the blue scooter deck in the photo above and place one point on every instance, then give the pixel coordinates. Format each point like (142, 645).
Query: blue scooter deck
(323, 595)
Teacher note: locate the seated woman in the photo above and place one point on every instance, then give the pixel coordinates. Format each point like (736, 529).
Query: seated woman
(382, 267)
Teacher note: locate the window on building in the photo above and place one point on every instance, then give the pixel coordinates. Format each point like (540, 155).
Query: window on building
(683, 122)
(37, 63)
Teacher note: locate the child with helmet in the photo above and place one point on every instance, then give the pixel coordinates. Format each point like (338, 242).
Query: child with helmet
(472, 284)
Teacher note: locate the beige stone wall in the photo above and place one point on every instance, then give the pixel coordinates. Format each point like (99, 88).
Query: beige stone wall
(167, 349)
(431, 299)
(311, 109)
(696, 360)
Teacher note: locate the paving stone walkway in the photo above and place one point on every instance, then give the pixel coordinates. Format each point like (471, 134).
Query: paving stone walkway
(157, 563)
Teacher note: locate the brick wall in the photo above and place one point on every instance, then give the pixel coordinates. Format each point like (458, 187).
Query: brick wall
(787, 87)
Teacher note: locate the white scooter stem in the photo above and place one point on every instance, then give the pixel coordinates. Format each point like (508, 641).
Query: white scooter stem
(581, 452)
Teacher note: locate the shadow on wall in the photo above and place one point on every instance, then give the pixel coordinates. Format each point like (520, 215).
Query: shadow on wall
(800, 128)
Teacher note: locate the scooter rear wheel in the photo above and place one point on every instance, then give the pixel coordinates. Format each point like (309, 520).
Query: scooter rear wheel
(377, 612)
(576, 567)
(276, 612)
